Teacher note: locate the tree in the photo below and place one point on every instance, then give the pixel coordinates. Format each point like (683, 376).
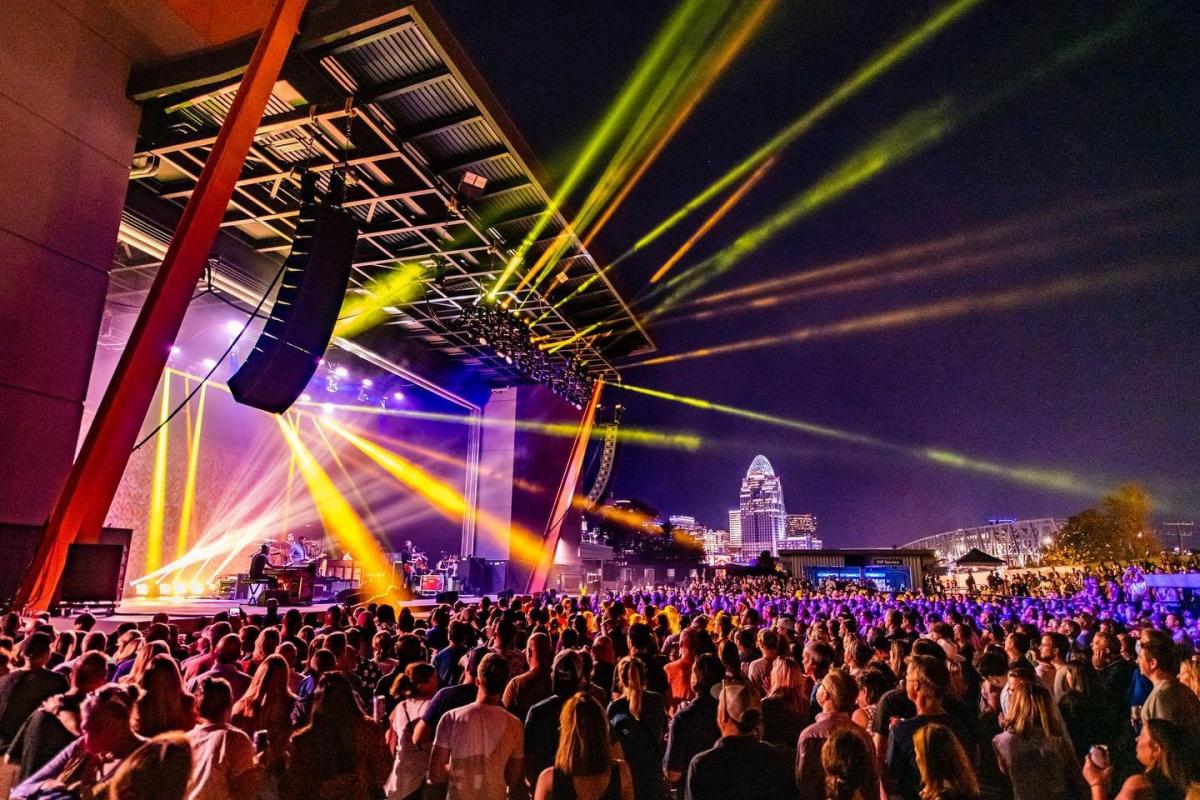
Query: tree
(1118, 531)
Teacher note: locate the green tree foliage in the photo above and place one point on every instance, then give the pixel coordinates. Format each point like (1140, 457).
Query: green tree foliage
(1119, 530)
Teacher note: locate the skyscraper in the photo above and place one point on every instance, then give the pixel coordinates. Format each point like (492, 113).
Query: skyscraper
(800, 533)
(762, 516)
(735, 530)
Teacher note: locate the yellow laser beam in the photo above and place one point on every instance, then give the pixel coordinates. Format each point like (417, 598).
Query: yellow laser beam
(610, 125)
(362, 501)
(913, 133)
(188, 506)
(338, 516)
(397, 288)
(679, 441)
(718, 65)
(1040, 294)
(863, 77)
(1057, 480)
(441, 496)
(158, 484)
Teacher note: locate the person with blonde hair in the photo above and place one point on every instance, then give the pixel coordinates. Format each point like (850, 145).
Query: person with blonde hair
(1034, 751)
(584, 766)
(1171, 760)
(163, 704)
(639, 720)
(1189, 674)
(158, 770)
(267, 706)
(946, 772)
(785, 708)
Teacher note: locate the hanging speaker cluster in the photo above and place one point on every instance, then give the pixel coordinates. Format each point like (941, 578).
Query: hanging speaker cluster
(297, 332)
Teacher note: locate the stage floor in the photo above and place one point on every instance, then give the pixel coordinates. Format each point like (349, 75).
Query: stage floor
(141, 609)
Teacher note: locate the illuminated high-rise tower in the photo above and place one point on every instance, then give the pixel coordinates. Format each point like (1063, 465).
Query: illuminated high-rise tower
(763, 518)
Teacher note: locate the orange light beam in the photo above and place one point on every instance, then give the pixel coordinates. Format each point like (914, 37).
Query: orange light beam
(714, 218)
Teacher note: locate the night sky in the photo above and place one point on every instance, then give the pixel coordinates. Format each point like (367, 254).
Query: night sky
(1105, 385)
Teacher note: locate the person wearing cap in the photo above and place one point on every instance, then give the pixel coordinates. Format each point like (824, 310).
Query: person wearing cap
(542, 721)
(740, 764)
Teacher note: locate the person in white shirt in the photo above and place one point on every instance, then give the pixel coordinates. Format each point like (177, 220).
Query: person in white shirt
(224, 765)
(479, 749)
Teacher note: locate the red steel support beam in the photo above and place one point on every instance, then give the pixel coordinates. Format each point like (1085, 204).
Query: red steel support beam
(88, 493)
(566, 494)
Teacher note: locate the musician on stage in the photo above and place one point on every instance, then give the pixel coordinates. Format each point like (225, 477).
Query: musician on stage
(296, 552)
(259, 563)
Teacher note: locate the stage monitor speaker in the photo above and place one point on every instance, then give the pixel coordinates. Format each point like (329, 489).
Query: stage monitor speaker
(449, 598)
(92, 573)
(304, 313)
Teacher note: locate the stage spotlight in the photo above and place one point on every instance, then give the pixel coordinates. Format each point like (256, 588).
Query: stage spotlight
(197, 588)
(208, 363)
(233, 327)
(367, 383)
(306, 398)
(179, 588)
(142, 589)
(471, 186)
(342, 372)
(326, 409)
(398, 397)
(165, 589)
(176, 351)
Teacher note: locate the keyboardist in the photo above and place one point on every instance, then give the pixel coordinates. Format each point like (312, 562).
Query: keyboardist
(259, 563)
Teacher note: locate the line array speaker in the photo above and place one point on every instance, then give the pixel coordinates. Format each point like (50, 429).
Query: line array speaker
(304, 313)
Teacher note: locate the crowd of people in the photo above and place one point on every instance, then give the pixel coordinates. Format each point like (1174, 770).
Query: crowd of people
(756, 687)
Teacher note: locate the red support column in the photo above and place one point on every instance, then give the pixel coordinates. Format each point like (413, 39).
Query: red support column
(566, 493)
(85, 499)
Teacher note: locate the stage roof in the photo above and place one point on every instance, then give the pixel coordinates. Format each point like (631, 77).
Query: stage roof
(388, 92)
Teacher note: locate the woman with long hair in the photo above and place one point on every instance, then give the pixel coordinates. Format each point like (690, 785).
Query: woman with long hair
(158, 770)
(340, 754)
(946, 772)
(785, 709)
(639, 720)
(845, 759)
(264, 645)
(1033, 749)
(584, 766)
(1170, 757)
(872, 685)
(267, 706)
(163, 705)
(141, 661)
(412, 690)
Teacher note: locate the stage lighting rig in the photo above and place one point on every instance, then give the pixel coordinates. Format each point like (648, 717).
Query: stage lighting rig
(510, 338)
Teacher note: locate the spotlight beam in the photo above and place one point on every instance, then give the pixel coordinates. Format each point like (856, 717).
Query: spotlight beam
(863, 77)
(1056, 480)
(614, 119)
(680, 441)
(158, 484)
(1039, 294)
(338, 516)
(912, 134)
(188, 506)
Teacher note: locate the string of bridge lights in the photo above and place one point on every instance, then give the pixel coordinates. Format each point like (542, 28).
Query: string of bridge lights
(510, 338)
